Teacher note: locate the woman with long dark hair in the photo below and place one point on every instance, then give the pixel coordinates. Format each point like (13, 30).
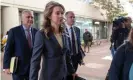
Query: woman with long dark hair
(122, 64)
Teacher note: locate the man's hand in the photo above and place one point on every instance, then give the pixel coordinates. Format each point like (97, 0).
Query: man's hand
(7, 71)
(82, 62)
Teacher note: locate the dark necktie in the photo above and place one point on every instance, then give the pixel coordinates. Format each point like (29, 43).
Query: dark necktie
(29, 38)
(73, 41)
(69, 40)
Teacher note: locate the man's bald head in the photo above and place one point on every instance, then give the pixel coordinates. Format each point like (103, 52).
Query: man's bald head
(71, 12)
(70, 17)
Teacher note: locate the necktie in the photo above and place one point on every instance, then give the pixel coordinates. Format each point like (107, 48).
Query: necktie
(69, 40)
(73, 41)
(29, 38)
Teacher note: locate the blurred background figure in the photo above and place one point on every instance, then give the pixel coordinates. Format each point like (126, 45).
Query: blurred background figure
(4, 40)
(98, 42)
(120, 31)
(87, 37)
(122, 64)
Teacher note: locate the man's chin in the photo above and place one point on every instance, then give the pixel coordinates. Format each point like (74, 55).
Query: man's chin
(30, 25)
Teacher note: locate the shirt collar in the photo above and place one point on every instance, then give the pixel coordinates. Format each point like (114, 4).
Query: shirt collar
(26, 28)
(68, 27)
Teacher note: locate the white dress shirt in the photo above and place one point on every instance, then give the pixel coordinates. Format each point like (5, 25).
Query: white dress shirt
(69, 31)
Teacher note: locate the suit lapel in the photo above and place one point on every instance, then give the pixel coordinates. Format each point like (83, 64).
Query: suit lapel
(63, 40)
(23, 33)
(33, 35)
(53, 38)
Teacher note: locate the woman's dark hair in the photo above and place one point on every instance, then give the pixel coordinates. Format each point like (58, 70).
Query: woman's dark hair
(47, 27)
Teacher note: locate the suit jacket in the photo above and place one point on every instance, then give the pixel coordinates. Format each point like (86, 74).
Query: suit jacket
(77, 30)
(54, 58)
(122, 63)
(17, 45)
(80, 54)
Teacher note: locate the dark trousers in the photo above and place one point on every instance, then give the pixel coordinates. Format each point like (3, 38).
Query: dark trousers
(87, 44)
(69, 77)
(75, 62)
(20, 77)
(64, 79)
(75, 65)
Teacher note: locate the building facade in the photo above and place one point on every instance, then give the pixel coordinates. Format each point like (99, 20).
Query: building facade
(87, 16)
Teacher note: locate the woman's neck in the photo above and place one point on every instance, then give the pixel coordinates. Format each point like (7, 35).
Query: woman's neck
(56, 28)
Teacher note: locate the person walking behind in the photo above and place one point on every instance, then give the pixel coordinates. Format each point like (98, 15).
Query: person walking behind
(20, 44)
(87, 37)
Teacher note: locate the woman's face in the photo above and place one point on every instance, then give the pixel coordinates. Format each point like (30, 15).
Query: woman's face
(57, 15)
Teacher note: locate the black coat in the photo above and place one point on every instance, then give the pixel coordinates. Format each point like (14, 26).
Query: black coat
(118, 36)
(122, 62)
(87, 36)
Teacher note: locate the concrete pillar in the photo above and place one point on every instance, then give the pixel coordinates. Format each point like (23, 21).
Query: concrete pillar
(109, 30)
(41, 20)
(0, 23)
(10, 18)
(102, 31)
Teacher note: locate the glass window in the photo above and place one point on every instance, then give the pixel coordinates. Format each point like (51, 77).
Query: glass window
(83, 23)
(36, 20)
(96, 28)
(132, 24)
(20, 21)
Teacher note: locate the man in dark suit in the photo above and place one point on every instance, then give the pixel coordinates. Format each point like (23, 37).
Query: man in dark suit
(19, 44)
(74, 40)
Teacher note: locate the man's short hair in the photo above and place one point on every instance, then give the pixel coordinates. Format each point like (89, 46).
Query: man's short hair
(68, 13)
(86, 29)
(27, 11)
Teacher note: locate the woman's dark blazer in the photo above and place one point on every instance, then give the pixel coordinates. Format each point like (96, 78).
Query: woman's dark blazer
(54, 58)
